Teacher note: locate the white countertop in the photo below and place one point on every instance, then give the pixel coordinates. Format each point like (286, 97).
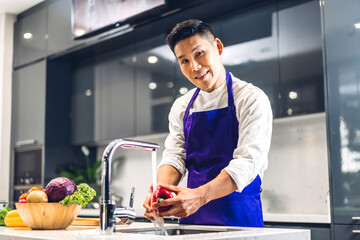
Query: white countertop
(93, 233)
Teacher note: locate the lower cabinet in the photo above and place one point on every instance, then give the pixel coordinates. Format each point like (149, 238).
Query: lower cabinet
(346, 232)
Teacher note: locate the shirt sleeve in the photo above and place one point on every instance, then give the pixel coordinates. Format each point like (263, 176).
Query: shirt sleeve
(255, 128)
(174, 153)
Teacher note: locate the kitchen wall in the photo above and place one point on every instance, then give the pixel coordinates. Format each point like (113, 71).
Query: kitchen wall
(6, 58)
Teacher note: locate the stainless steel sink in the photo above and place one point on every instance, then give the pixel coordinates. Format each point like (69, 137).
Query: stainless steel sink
(180, 230)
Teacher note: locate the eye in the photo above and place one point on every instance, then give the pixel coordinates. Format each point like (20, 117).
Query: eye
(184, 61)
(199, 53)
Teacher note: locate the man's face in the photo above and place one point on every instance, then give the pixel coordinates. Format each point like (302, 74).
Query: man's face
(200, 61)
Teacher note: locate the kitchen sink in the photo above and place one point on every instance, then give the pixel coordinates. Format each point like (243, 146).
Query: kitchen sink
(180, 230)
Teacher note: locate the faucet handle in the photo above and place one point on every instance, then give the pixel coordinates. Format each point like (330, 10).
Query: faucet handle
(132, 195)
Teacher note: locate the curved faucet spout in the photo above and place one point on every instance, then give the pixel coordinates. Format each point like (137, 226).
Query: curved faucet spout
(107, 207)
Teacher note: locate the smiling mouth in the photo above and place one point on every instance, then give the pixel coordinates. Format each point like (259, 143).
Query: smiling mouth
(202, 75)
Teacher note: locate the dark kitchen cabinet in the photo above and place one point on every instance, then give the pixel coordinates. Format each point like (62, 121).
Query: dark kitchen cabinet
(30, 35)
(155, 85)
(251, 50)
(300, 58)
(59, 27)
(341, 41)
(82, 127)
(103, 100)
(28, 119)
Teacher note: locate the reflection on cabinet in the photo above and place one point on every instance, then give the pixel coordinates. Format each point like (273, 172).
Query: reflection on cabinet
(30, 37)
(29, 104)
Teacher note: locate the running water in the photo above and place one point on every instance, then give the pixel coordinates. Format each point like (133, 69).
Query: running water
(158, 221)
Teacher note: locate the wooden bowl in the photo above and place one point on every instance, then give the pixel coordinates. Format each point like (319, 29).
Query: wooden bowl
(48, 215)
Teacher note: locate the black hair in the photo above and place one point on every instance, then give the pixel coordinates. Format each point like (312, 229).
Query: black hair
(188, 29)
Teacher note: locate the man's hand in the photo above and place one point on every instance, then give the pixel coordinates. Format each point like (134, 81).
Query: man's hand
(149, 213)
(186, 202)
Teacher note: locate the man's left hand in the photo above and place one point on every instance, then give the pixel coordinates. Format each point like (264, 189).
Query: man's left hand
(186, 202)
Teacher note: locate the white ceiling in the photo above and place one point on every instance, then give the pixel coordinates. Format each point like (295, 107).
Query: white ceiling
(16, 6)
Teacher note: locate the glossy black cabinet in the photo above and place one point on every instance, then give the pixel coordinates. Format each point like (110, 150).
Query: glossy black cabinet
(300, 58)
(251, 50)
(155, 85)
(82, 109)
(30, 35)
(59, 29)
(342, 45)
(103, 100)
(28, 106)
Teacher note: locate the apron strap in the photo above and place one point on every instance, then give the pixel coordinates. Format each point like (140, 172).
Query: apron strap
(190, 104)
(231, 105)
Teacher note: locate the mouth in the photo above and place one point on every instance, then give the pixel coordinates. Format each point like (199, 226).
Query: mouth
(202, 76)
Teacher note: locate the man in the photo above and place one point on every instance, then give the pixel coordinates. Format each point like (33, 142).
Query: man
(220, 132)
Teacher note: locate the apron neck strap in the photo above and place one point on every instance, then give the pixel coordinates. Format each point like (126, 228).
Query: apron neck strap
(230, 95)
(230, 92)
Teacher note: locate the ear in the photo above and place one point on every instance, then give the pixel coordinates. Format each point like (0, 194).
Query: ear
(219, 46)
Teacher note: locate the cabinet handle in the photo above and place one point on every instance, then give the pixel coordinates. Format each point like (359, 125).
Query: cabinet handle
(26, 142)
(355, 218)
(356, 231)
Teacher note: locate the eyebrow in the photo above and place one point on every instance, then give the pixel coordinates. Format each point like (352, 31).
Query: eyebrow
(196, 47)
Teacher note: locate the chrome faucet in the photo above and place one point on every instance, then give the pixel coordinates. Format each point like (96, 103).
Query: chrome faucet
(108, 211)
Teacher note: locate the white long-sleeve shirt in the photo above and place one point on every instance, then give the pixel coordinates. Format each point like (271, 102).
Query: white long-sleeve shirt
(254, 115)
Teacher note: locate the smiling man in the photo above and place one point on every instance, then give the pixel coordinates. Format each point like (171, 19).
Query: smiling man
(220, 133)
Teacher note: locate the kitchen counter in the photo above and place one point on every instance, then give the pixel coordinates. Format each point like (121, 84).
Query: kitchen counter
(93, 233)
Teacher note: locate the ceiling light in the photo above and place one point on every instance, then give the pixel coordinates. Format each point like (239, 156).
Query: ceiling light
(79, 32)
(27, 35)
(183, 90)
(152, 59)
(170, 84)
(152, 85)
(357, 25)
(293, 95)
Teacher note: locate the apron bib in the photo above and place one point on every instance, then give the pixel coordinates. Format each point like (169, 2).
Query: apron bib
(210, 140)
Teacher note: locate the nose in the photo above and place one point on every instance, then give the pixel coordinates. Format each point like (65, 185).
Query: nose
(195, 65)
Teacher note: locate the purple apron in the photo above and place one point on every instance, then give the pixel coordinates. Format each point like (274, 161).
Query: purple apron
(210, 140)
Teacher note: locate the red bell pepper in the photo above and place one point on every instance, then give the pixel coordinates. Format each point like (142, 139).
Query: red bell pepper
(161, 194)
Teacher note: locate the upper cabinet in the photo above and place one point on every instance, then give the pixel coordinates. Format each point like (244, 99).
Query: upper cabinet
(251, 50)
(28, 121)
(44, 30)
(59, 28)
(300, 58)
(30, 35)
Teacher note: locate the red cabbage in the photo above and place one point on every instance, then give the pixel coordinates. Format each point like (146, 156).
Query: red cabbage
(58, 188)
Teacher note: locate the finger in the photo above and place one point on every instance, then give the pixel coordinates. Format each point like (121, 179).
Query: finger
(171, 188)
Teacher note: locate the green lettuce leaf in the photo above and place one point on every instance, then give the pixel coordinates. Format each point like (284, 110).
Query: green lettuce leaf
(83, 195)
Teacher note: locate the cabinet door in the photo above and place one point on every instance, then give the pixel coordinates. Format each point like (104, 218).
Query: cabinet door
(29, 37)
(346, 232)
(300, 58)
(155, 85)
(251, 51)
(114, 98)
(343, 99)
(82, 129)
(29, 104)
(59, 26)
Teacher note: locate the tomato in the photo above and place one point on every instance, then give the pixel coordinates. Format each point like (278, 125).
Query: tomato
(22, 201)
(161, 194)
(33, 189)
(23, 196)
